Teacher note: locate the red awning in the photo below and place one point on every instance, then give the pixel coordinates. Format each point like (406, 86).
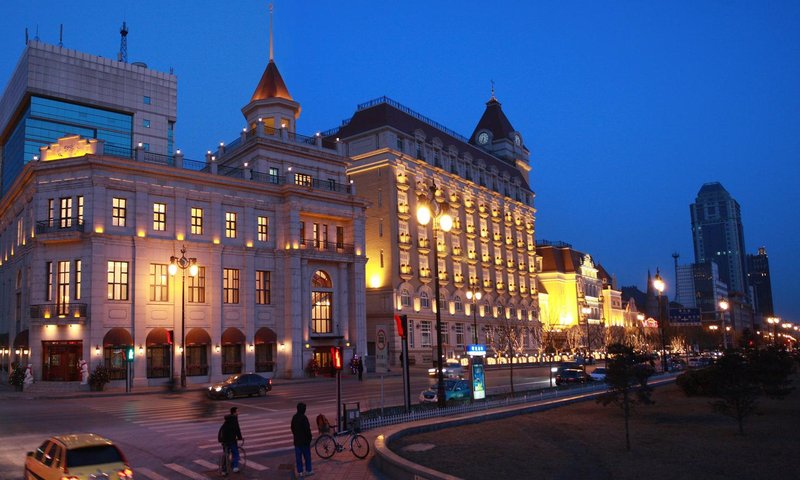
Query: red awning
(197, 336)
(117, 337)
(265, 335)
(232, 336)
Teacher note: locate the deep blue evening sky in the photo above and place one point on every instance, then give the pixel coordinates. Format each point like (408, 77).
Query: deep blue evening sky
(627, 107)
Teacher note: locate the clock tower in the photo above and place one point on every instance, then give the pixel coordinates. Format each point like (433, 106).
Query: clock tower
(495, 134)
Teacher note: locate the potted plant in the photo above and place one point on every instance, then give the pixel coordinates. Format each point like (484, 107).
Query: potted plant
(17, 378)
(98, 378)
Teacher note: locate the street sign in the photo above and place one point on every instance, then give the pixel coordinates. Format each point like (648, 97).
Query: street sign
(381, 350)
(476, 350)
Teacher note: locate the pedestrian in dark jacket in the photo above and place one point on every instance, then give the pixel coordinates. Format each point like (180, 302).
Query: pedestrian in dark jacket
(360, 370)
(229, 435)
(301, 431)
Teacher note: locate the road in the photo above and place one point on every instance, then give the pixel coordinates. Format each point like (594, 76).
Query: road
(166, 436)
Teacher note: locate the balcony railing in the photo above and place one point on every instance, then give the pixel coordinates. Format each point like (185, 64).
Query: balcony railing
(337, 247)
(66, 312)
(70, 224)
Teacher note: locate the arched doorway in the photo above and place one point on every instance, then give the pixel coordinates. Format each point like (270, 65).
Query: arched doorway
(321, 303)
(115, 346)
(265, 342)
(159, 353)
(232, 344)
(197, 345)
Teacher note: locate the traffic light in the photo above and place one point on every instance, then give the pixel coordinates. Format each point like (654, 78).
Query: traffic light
(402, 324)
(336, 353)
(170, 336)
(129, 353)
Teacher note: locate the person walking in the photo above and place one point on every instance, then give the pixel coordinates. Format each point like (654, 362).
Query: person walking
(229, 436)
(360, 367)
(301, 431)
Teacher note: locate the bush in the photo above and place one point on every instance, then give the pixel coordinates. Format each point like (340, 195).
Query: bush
(17, 377)
(99, 377)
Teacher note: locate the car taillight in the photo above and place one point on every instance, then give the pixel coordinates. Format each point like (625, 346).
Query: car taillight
(126, 473)
(69, 477)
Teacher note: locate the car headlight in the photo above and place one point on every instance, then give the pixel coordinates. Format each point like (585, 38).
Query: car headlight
(217, 389)
(125, 473)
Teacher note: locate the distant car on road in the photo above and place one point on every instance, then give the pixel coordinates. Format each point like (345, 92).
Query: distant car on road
(450, 369)
(598, 374)
(453, 390)
(571, 375)
(241, 385)
(81, 456)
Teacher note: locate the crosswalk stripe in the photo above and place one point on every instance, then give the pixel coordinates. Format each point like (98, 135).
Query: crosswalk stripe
(185, 471)
(206, 464)
(256, 466)
(256, 439)
(149, 474)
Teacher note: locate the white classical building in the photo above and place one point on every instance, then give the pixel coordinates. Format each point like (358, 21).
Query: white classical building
(87, 236)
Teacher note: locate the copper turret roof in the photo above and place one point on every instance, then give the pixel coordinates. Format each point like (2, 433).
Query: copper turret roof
(271, 85)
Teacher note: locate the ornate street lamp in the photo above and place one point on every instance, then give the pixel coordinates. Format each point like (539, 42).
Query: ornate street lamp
(723, 309)
(429, 209)
(191, 264)
(658, 284)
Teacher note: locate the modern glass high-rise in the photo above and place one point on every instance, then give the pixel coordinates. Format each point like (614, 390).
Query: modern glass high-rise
(758, 276)
(719, 237)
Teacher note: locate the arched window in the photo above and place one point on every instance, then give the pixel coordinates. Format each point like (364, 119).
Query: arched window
(458, 304)
(424, 300)
(512, 313)
(321, 303)
(405, 298)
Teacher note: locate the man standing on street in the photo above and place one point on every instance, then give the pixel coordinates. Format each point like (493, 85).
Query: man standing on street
(229, 435)
(301, 431)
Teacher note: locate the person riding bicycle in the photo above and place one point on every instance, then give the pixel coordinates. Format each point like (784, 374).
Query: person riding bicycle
(229, 435)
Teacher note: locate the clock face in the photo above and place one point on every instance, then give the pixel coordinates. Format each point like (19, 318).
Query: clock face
(517, 140)
(483, 138)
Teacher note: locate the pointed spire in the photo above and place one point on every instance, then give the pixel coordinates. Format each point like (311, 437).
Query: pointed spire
(492, 82)
(271, 40)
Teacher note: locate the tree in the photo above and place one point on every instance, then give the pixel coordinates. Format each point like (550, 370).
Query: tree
(507, 339)
(574, 338)
(738, 379)
(678, 343)
(627, 373)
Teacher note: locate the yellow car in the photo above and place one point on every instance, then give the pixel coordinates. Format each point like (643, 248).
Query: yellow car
(83, 456)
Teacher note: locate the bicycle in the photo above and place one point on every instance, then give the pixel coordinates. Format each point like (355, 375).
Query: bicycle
(226, 459)
(326, 445)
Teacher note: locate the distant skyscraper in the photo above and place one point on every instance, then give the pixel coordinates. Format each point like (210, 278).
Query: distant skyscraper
(718, 235)
(700, 286)
(758, 277)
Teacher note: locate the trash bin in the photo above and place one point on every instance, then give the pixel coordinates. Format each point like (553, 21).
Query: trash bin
(352, 417)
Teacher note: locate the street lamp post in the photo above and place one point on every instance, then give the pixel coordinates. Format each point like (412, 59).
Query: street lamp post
(427, 210)
(658, 284)
(183, 263)
(774, 321)
(585, 310)
(723, 309)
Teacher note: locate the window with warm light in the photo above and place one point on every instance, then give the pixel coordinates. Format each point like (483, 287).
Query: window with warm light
(78, 278)
(197, 286)
(62, 289)
(48, 269)
(321, 303)
(263, 229)
(230, 285)
(263, 279)
(230, 224)
(196, 220)
(117, 280)
(66, 213)
(159, 217)
(159, 283)
(119, 211)
(303, 180)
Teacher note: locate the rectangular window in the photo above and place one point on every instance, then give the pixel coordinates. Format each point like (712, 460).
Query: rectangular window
(230, 225)
(425, 333)
(119, 211)
(197, 286)
(230, 285)
(339, 237)
(146, 123)
(62, 299)
(80, 209)
(66, 212)
(51, 214)
(263, 229)
(263, 287)
(146, 147)
(197, 221)
(146, 100)
(459, 334)
(159, 282)
(324, 236)
(302, 232)
(48, 270)
(445, 332)
(117, 280)
(321, 314)
(273, 175)
(316, 234)
(159, 217)
(78, 278)
(302, 179)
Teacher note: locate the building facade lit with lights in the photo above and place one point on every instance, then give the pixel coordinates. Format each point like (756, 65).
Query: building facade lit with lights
(482, 182)
(88, 229)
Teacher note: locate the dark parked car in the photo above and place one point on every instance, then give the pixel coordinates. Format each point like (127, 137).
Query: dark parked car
(454, 390)
(571, 375)
(240, 385)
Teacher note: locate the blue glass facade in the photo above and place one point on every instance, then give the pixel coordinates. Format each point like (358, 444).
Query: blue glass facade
(46, 120)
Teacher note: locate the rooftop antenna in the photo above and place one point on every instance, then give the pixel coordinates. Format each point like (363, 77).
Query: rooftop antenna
(122, 56)
(271, 43)
(61, 36)
(492, 82)
(36, 38)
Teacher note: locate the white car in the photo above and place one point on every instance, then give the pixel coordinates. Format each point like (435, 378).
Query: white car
(450, 369)
(598, 374)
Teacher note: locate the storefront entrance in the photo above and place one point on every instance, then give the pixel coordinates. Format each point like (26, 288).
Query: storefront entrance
(60, 362)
